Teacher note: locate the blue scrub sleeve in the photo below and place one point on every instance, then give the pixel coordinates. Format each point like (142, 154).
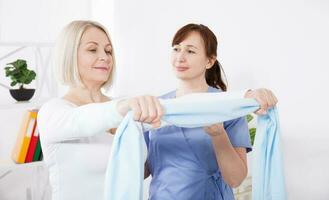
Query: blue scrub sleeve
(238, 132)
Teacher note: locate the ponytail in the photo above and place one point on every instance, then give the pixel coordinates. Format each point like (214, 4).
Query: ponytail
(214, 76)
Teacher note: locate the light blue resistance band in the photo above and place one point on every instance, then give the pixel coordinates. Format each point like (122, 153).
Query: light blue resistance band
(125, 170)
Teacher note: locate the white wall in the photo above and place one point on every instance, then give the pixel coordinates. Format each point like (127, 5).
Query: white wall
(282, 45)
(37, 20)
(34, 22)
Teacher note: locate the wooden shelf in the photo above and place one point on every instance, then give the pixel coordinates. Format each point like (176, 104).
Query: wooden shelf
(21, 105)
(9, 164)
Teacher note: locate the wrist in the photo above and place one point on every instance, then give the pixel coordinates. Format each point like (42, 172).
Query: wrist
(123, 107)
(218, 133)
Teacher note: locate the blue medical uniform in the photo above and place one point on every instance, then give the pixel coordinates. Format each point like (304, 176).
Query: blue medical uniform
(183, 163)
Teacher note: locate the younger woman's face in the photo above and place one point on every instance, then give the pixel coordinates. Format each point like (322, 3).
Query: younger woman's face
(94, 57)
(188, 58)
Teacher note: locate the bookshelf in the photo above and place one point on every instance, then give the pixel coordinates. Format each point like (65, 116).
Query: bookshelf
(9, 164)
(38, 54)
(39, 57)
(29, 180)
(21, 105)
(19, 181)
(11, 117)
(25, 181)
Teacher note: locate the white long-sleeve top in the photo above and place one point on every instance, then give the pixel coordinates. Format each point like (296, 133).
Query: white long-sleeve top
(76, 146)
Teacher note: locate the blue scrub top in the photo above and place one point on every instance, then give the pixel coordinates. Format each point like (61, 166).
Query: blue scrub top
(183, 163)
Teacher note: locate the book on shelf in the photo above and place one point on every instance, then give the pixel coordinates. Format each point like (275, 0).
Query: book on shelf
(27, 139)
(33, 144)
(38, 152)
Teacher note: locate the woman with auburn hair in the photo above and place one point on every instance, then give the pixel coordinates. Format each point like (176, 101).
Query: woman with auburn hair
(200, 163)
(74, 129)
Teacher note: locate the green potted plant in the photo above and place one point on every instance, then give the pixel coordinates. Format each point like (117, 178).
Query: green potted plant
(252, 130)
(19, 73)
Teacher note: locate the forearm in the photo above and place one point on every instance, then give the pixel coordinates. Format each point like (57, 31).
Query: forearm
(66, 123)
(233, 167)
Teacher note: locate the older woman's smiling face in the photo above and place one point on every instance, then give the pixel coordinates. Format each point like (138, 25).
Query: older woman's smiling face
(95, 60)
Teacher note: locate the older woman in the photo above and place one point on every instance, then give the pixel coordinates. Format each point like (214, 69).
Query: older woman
(74, 128)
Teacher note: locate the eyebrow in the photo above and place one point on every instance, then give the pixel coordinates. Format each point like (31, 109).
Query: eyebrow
(189, 45)
(192, 46)
(93, 42)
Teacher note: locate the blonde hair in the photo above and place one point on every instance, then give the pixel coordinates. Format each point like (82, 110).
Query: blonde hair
(66, 53)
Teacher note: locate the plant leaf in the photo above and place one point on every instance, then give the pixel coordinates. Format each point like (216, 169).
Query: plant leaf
(18, 72)
(249, 117)
(252, 133)
(13, 83)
